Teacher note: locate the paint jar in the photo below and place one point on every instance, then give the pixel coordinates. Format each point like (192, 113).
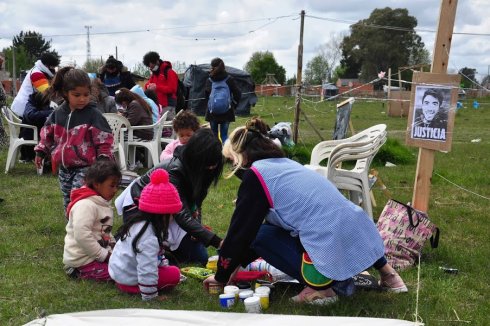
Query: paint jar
(252, 305)
(245, 294)
(263, 299)
(215, 288)
(212, 263)
(263, 289)
(232, 290)
(226, 300)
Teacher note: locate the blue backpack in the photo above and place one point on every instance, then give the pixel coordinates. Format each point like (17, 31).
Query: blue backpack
(220, 97)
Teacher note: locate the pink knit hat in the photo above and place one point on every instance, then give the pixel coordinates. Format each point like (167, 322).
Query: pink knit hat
(160, 196)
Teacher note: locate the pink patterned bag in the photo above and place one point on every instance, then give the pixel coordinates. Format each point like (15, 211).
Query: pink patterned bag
(404, 231)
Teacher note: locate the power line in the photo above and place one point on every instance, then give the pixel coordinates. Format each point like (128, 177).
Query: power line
(396, 28)
(270, 20)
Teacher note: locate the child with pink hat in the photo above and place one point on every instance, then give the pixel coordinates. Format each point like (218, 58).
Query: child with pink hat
(137, 264)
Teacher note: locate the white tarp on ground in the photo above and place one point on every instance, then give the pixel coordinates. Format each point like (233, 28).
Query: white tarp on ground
(132, 317)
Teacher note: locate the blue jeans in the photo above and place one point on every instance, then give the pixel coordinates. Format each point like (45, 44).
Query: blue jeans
(190, 251)
(223, 130)
(276, 246)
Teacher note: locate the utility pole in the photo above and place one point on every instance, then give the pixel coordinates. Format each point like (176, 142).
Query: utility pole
(116, 53)
(299, 77)
(88, 41)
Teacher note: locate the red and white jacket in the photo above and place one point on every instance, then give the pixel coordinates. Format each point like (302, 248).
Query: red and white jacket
(75, 139)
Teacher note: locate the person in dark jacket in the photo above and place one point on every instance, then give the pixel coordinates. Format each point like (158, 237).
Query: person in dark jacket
(193, 169)
(115, 76)
(36, 112)
(221, 121)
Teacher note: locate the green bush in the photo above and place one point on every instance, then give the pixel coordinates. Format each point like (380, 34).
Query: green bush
(299, 154)
(393, 151)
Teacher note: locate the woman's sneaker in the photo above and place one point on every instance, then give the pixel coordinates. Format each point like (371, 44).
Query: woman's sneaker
(392, 282)
(315, 297)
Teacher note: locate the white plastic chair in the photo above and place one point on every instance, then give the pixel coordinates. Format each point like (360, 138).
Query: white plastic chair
(15, 142)
(356, 179)
(153, 146)
(119, 125)
(13, 115)
(321, 152)
(361, 148)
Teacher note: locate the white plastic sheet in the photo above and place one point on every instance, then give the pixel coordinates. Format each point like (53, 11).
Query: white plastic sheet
(133, 317)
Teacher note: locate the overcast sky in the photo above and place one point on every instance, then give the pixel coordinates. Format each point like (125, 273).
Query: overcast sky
(197, 31)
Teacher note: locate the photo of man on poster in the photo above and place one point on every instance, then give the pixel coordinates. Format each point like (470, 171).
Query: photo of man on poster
(430, 118)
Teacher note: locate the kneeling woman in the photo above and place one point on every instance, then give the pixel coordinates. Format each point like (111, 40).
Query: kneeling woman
(194, 167)
(312, 232)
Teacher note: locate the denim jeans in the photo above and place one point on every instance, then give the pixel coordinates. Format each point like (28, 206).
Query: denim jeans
(190, 251)
(223, 130)
(276, 246)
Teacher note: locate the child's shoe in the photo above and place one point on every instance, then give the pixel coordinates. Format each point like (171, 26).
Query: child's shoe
(392, 282)
(315, 297)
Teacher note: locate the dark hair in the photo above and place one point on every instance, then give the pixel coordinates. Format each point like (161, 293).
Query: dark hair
(217, 67)
(73, 78)
(98, 90)
(258, 124)
(159, 222)
(125, 95)
(55, 90)
(202, 151)
(100, 171)
(152, 57)
(434, 92)
(185, 120)
(113, 62)
(152, 95)
(50, 59)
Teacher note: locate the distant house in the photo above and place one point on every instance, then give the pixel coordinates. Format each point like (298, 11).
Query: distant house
(347, 84)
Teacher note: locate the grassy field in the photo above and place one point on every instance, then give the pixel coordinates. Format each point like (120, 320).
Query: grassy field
(32, 282)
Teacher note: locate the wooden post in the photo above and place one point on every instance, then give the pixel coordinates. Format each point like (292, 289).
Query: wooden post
(442, 46)
(299, 77)
(389, 91)
(400, 95)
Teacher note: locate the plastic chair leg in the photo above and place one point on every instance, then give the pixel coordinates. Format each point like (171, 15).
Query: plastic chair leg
(11, 158)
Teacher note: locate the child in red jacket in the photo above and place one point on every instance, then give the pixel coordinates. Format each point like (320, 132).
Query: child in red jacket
(76, 134)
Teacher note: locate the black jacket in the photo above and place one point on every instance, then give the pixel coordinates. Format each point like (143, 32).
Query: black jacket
(229, 116)
(178, 177)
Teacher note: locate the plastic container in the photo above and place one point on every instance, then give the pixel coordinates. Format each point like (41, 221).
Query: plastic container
(263, 289)
(232, 290)
(227, 300)
(252, 305)
(212, 263)
(245, 294)
(263, 299)
(215, 288)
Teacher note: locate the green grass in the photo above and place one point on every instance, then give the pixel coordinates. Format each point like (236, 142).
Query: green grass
(32, 282)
